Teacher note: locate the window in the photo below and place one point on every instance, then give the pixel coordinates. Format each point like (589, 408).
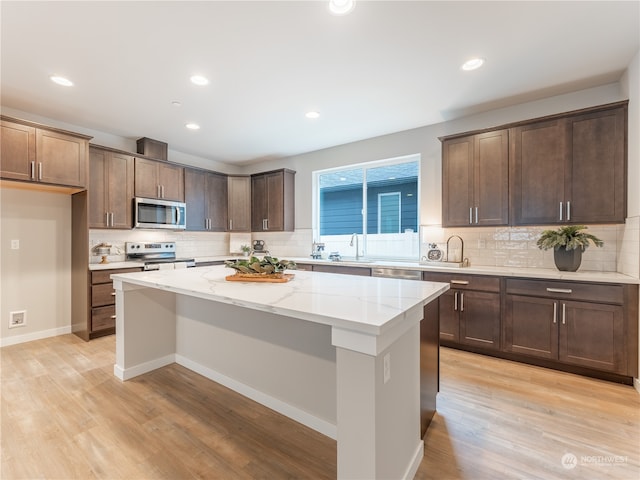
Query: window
(376, 200)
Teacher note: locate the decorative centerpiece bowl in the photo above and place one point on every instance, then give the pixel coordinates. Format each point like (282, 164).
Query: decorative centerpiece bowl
(267, 269)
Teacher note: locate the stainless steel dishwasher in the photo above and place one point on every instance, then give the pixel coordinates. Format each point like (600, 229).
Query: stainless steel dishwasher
(391, 272)
(429, 346)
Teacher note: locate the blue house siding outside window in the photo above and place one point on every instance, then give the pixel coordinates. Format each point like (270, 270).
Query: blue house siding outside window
(376, 200)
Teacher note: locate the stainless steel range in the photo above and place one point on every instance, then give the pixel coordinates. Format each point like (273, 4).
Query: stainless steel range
(157, 255)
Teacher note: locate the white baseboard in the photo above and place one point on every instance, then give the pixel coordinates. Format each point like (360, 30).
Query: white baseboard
(128, 373)
(30, 337)
(415, 462)
(305, 418)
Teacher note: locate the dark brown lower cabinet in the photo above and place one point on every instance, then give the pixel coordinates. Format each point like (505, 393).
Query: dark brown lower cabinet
(470, 310)
(557, 321)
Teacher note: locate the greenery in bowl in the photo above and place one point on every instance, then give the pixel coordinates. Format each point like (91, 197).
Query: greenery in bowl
(570, 237)
(256, 266)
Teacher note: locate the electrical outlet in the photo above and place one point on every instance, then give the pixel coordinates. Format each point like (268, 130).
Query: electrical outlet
(386, 368)
(17, 319)
(15, 244)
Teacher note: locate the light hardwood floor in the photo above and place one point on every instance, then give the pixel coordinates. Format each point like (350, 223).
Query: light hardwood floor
(64, 415)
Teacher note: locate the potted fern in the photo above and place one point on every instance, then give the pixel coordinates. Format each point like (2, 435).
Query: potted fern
(568, 243)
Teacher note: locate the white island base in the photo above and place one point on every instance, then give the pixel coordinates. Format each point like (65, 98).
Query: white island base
(339, 354)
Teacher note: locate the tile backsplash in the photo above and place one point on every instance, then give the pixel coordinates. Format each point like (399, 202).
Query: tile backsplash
(485, 246)
(516, 246)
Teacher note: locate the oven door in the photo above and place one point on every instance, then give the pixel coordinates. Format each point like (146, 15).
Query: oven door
(153, 213)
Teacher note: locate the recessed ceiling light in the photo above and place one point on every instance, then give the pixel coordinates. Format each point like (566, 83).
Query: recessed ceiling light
(341, 7)
(176, 104)
(192, 126)
(473, 64)
(312, 114)
(199, 80)
(65, 82)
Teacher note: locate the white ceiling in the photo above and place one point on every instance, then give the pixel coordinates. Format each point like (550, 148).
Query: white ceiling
(386, 67)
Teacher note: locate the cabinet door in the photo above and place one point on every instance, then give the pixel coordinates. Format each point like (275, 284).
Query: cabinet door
(216, 199)
(538, 158)
(239, 194)
(194, 195)
(531, 326)
(61, 159)
(110, 189)
(449, 322)
(119, 187)
(275, 201)
(597, 186)
(98, 188)
(491, 179)
(146, 178)
(457, 182)
(480, 319)
(171, 181)
(18, 151)
(592, 335)
(259, 203)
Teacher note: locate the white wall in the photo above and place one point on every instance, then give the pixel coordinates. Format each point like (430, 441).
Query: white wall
(630, 260)
(424, 141)
(37, 277)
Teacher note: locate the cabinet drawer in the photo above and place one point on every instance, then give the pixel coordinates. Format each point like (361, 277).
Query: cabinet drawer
(104, 276)
(102, 294)
(590, 292)
(304, 266)
(103, 317)
(464, 281)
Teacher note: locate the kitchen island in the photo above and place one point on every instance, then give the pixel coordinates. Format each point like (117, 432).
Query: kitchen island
(337, 353)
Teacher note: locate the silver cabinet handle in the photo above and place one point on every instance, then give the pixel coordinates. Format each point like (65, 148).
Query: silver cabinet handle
(560, 210)
(112, 222)
(476, 214)
(568, 211)
(113, 317)
(40, 171)
(158, 191)
(462, 302)
(113, 294)
(455, 301)
(555, 311)
(230, 224)
(106, 215)
(265, 224)
(178, 215)
(564, 312)
(559, 290)
(33, 170)
(459, 282)
(470, 216)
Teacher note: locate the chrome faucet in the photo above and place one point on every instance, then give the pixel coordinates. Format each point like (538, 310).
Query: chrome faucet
(355, 236)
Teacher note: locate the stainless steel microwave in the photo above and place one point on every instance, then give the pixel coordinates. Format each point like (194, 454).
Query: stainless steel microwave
(154, 213)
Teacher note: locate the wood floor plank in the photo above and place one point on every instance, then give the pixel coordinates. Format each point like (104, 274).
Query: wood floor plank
(63, 414)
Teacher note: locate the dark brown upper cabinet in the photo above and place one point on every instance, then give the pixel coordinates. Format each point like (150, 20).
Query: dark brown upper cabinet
(110, 188)
(157, 179)
(272, 198)
(239, 202)
(475, 180)
(570, 169)
(565, 168)
(43, 155)
(206, 198)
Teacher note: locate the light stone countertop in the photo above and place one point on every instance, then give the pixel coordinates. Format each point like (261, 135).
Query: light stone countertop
(516, 272)
(361, 304)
